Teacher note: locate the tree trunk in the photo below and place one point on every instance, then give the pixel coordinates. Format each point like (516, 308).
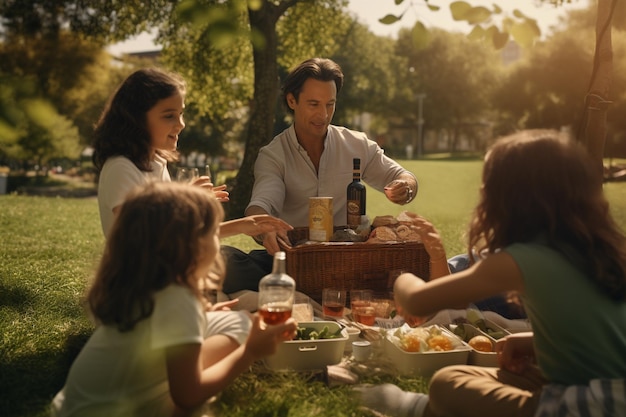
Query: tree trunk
(263, 105)
(597, 99)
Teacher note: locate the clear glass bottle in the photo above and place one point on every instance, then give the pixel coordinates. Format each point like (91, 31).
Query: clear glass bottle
(276, 292)
(356, 196)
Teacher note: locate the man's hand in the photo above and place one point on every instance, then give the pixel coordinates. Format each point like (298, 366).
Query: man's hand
(270, 242)
(268, 238)
(401, 191)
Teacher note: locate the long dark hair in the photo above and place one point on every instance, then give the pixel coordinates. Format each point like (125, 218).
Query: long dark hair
(155, 241)
(540, 183)
(321, 69)
(122, 127)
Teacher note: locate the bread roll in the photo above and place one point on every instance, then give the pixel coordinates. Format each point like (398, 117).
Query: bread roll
(383, 234)
(384, 221)
(404, 217)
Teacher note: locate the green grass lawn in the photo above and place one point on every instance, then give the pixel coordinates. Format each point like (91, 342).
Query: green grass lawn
(50, 246)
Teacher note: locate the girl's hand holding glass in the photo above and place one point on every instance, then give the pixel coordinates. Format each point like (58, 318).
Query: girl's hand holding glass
(220, 191)
(187, 175)
(192, 176)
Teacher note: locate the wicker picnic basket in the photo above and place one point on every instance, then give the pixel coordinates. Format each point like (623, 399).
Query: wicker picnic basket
(351, 265)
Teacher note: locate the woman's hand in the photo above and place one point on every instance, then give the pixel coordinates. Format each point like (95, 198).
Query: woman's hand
(401, 291)
(412, 321)
(516, 352)
(432, 243)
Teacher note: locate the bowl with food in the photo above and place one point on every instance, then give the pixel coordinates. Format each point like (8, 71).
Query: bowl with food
(316, 345)
(421, 351)
(483, 346)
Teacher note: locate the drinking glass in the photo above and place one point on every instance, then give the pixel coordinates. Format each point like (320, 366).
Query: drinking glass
(362, 309)
(207, 172)
(383, 305)
(187, 174)
(333, 302)
(302, 308)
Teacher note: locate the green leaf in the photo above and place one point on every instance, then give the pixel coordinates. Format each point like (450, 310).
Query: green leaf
(497, 9)
(389, 19)
(459, 9)
(517, 13)
(398, 2)
(433, 8)
(507, 23)
(477, 15)
(192, 11)
(499, 39)
(255, 4)
(477, 33)
(8, 133)
(532, 24)
(258, 39)
(420, 36)
(523, 34)
(222, 33)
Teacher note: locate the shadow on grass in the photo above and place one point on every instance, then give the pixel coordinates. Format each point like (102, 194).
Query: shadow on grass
(28, 383)
(14, 297)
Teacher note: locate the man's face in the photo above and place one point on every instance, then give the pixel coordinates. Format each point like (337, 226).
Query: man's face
(314, 109)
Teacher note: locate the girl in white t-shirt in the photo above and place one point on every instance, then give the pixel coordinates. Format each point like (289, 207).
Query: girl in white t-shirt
(137, 135)
(160, 348)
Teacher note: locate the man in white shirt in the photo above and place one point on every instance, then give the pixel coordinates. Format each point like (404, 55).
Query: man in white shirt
(311, 158)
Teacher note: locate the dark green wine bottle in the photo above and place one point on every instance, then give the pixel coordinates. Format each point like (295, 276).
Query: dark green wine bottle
(356, 196)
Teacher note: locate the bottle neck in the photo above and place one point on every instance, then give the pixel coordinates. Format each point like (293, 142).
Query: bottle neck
(279, 266)
(356, 169)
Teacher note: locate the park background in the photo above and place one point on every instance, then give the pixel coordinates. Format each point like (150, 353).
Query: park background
(59, 64)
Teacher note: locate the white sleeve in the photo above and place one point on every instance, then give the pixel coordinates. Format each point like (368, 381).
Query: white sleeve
(118, 176)
(177, 318)
(379, 170)
(268, 191)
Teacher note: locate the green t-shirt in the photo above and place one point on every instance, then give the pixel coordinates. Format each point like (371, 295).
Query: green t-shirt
(579, 333)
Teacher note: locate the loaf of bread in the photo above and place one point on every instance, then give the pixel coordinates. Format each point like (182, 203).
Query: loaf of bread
(383, 234)
(393, 229)
(384, 221)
